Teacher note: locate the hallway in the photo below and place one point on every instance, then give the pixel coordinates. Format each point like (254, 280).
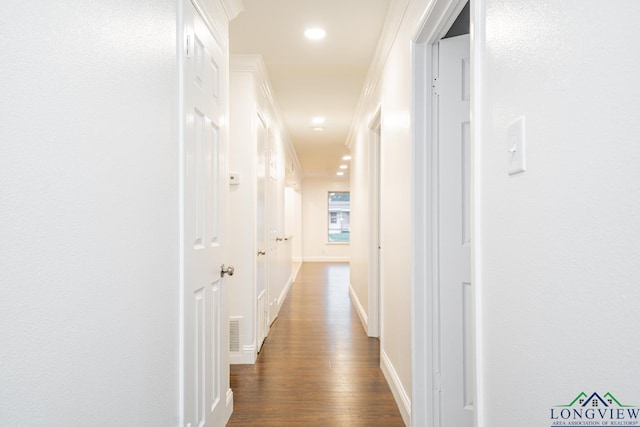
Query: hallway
(317, 367)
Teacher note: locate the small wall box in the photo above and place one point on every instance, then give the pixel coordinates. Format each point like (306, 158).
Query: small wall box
(234, 179)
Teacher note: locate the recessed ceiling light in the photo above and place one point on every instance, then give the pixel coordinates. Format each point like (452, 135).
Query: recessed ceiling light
(347, 157)
(340, 173)
(315, 33)
(343, 166)
(318, 129)
(318, 120)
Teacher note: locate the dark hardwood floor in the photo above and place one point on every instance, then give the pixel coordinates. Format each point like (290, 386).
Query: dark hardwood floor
(317, 366)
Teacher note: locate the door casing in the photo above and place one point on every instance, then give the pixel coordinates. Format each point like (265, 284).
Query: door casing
(375, 309)
(434, 25)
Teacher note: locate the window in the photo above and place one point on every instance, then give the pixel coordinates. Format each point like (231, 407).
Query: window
(339, 216)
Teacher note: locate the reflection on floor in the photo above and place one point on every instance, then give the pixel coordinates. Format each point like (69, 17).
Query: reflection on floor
(317, 367)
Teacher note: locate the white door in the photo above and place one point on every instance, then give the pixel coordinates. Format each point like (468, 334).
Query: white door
(272, 223)
(206, 368)
(375, 276)
(454, 242)
(262, 317)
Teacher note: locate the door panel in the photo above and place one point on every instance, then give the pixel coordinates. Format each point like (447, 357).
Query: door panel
(455, 290)
(206, 375)
(262, 317)
(273, 279)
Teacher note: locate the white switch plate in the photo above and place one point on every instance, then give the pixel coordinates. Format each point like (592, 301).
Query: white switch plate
(234, 178)
(516, 146)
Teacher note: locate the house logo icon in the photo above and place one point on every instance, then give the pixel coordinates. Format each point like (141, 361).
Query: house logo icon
(591, 410)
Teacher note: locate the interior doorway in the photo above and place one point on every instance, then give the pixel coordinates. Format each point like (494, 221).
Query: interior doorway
(206, 398)
(443, 313)
(375, 247)
(453, 310)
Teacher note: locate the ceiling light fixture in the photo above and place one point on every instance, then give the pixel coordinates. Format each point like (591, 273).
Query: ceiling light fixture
(340, 173)
(315, 33)
(318, 129)
(347, 157)
(343, 166)
(318, 120)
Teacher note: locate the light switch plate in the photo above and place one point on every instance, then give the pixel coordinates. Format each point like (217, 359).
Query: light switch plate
(516, 146)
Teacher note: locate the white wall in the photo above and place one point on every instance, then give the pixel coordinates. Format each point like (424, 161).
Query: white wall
(251, 101)
(559, 244)
(315, 221)
(360, 224)
(89, 190)
(242, 248)
(390, 92)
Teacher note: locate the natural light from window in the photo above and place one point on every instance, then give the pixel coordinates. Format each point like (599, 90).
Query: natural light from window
(339, 217)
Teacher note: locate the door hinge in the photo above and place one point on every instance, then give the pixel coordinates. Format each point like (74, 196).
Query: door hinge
(435, 85)
(188, 46)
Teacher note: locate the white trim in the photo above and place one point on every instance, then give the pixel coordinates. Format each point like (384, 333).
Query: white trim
(254, 64)
(326, 259)
(213, 21)
(232, 8)
(375, 254)
(247, 356)
(284, 293)
(436, 21)
(294, 275)
(180, 53)
(228, 404)
(395, 17)
(399, 393)
(478, 87)
(359, 308)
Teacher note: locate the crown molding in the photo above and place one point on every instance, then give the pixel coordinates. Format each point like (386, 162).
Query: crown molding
(232, 8)
(255, 65)
(395, 17)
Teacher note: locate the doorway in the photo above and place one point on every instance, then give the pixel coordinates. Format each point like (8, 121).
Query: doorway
(444, 386)
(375, 247)
(206, 398)
(262, 303)
(453, 310)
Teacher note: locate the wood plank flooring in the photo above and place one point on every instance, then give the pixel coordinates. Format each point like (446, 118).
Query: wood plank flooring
(317, 366)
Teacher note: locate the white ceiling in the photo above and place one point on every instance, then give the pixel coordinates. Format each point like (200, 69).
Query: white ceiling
(313, 78)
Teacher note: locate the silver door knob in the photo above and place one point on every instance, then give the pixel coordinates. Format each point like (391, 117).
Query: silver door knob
(228, 270)
(262, 252)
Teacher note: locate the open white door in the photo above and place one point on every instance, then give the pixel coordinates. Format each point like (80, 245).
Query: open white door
(205, 342)
(273, 278)
(262, 317)
(454, 243)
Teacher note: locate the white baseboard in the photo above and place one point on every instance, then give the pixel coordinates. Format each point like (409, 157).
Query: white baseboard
(364, 319)
(284, 293)
(294, 275)
(326, 259)
(399, 393)
(246, 357)
(229, 404)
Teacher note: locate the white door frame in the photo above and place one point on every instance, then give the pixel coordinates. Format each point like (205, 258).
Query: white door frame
(374, 318)
(434, 25)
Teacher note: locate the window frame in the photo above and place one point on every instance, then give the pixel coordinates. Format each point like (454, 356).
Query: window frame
(339, 217)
